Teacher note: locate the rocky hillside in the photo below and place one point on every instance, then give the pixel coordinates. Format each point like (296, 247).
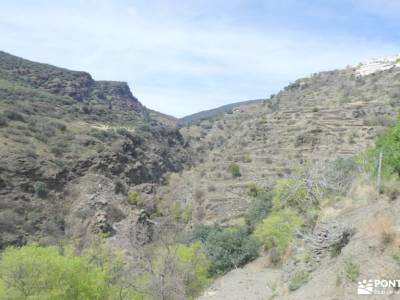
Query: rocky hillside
(81, 158)
(65, 136)
(325, 116)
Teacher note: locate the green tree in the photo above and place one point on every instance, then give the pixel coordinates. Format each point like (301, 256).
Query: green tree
(195, 265)
(35, 272)
(228, 248)
(389, 143)
(277, 230)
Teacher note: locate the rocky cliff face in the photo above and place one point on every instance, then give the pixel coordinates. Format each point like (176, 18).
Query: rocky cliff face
(57, 129)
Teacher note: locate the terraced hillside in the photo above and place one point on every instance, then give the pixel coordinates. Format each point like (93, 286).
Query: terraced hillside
(322, 117)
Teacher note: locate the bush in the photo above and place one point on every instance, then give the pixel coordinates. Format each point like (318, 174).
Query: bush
(40, 189)
(202, 232)
(396, 258)
(134, 198)
(247, 158)
(352, 270)
(277, 230)
(389, 143)
(174, 210)
(123, 131)
(253, 190)
(34, 272)
(287, 193)
(298, 280)
(197, 265)
(120, 187)
(180, 214)
(234, 169)
(226, 248)
(259, 208)
(381, 227)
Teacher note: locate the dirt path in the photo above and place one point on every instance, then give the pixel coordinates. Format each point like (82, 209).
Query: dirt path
(254, 281)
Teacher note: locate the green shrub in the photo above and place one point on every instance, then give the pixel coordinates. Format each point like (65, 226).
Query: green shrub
(389, 143)
(134, 198)
(247, 158)
(40, 189)
(298, 280)
(277, 230)
(287, 193)
(180, 214)
(186, 214)
(396, 257)
(352, 270)
(197, 265)
(120, 187)
(174, 209)
(252, 189)
(122, 131)
(226, 248)
(259, 208)
(234, 169)
(201, 232)
(34, 272)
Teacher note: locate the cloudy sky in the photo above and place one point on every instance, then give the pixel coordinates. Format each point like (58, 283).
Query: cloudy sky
(183, 56)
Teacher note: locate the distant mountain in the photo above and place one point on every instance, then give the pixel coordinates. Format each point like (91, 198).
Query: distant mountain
(211, 113)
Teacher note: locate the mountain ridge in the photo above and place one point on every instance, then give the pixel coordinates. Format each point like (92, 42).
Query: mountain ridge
(214, 112)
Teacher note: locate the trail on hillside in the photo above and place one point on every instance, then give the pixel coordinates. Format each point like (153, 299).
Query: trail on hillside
(255, 281)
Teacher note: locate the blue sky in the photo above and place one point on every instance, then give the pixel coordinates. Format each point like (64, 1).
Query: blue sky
(180, 57)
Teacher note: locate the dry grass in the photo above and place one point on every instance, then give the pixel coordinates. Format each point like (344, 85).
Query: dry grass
(391, 189)
(363, 190)
(381, 227)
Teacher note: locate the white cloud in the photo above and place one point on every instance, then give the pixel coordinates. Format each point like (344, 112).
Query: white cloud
(174, 64)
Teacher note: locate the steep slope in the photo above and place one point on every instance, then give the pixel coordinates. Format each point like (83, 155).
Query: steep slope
(370, 255)
(322, 117)
(61, 131)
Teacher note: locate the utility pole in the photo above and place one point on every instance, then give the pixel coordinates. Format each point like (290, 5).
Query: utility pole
(378, 179)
